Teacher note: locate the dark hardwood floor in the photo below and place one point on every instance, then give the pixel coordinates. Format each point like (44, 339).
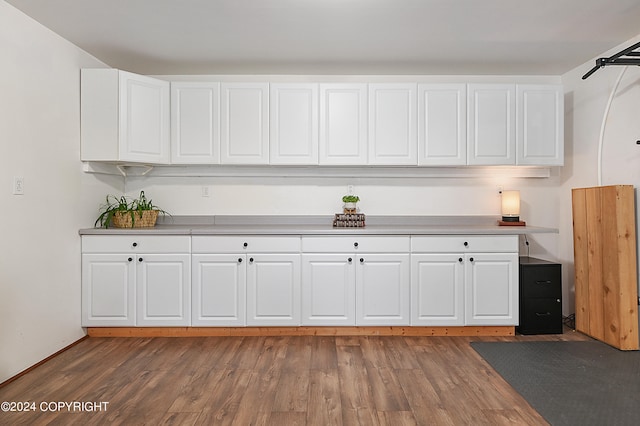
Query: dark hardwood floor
(283, 380)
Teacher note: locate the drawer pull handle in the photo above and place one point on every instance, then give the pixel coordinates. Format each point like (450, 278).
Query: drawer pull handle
(543, 282)
(460, 259)
(543, 314)
(361, 260)
(239, 260)
(139, 259)
(466, 244)
(135, 244)
(471, 259)
(349, 260)
(130, 259)
(245, 245)
(251, 260)
(355, 244)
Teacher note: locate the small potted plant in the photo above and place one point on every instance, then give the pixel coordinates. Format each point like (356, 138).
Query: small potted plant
(125, 212)
(350, 205)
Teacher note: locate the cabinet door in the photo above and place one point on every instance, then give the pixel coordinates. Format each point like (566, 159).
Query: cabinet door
(273, 289)
(540, 125)
(491, 124)
(343, 124)
(382, 289)
(491, 289)
(218, 290)
(392, 124)
(293, 116)
(437, 292)
(195, 123)
(328, 289)
(108, 290)
(442, 124)
(244, 113)
(163, 283)
(144, 118)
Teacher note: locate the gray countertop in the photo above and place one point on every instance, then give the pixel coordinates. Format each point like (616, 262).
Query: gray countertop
(322, 225)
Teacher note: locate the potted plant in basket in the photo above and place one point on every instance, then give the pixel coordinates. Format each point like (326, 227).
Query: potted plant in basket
(125, 212)
(350, 205)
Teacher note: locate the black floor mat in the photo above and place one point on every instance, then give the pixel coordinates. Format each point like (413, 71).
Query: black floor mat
(571, 383)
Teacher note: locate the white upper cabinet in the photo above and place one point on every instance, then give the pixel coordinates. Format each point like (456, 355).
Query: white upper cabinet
(343, 124)
(124, 117)
(540, 125)
(195, 123)
(392, 124)
(491, 124)
(293, 116)
(442, 124)
(244, 113)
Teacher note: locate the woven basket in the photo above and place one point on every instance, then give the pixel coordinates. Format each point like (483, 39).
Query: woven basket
(144, 219)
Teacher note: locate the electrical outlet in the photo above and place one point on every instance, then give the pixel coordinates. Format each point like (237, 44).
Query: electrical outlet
(18, 185)
(205, 191)
(349, 189)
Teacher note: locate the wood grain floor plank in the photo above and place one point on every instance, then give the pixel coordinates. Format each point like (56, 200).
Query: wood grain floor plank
(225, 398)
(292, 393)
(273, 354)
(386, 390)
(396, 418)
(325, 404)
(398, 353)
(179, 419)
(287, 418)
(195, 394)
(256, 405)
(323, 354)
(298, 358)
(276, 380)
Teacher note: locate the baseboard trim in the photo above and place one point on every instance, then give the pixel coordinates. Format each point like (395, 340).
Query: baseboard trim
(298, 331)
(36, 365)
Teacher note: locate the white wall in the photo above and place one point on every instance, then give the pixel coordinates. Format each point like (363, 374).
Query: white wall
(40, 141)
(585, 105)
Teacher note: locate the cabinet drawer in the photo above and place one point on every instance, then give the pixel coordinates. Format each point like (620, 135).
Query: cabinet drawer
(540, 316)
(541, 281)
(135, 244)
(469, 243)
(241, 244)
(365, 244)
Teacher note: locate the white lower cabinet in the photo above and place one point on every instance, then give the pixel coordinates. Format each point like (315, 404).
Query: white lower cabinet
(108, 290)
(218, 290)
(464, 280)
(437, 289)
(491, 289)
(382, 289)
(163, 285)
(246, 280)
(368, 285)
(328, 289)
(136, 280)
(273, 289)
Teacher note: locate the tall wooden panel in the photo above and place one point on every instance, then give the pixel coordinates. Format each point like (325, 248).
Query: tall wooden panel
(604, 242)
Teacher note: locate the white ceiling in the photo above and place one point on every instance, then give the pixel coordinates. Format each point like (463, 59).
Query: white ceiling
(548, 37)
